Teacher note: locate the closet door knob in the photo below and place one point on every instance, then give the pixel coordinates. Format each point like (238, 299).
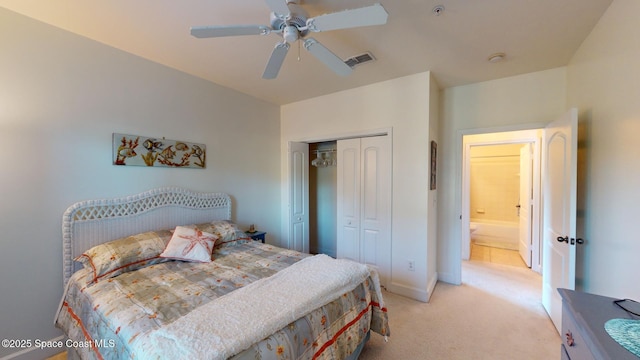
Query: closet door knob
(563, 239)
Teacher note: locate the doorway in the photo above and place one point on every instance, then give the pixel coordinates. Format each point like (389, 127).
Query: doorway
(501, 208)
(555, 164)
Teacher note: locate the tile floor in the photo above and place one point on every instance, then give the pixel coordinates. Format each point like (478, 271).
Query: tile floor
(496, 255)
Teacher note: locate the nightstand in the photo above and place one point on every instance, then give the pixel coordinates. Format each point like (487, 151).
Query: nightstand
(258, 235)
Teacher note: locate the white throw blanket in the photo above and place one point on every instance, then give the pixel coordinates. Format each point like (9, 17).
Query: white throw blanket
(232, 323)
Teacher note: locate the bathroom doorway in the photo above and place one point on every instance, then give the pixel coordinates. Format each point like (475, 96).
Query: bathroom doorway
(500, 213)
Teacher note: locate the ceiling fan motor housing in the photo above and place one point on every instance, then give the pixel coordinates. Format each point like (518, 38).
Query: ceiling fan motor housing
(296, 18)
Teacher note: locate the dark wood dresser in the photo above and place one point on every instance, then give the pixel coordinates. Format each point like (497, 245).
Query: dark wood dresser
(583, 333)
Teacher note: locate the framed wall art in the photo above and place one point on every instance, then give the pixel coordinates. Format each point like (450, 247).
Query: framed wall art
(136, 150)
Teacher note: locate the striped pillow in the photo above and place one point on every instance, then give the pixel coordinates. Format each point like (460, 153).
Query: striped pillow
(126, 254)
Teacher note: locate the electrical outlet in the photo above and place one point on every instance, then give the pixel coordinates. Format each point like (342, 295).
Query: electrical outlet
(412, 265)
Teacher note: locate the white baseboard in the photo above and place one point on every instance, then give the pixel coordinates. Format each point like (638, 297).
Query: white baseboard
(415, 293)
(431, 286)
(449, 278)
(410, 292)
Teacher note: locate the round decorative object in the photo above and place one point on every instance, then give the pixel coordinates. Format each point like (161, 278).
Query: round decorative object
(625, 332)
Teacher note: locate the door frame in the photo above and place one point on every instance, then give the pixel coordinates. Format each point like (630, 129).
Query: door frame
(525, 204)
(498, 137)
(285, 225)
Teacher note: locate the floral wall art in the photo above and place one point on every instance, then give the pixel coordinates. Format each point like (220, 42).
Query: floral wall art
(149, 151)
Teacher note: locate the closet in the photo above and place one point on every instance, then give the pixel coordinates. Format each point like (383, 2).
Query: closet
(364, 202)
(323, 183)
(349, 200)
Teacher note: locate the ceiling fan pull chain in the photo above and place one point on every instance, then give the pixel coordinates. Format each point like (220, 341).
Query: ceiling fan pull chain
(299, 50)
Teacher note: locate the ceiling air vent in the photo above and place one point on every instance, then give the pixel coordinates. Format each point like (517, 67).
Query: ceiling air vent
(359, 59)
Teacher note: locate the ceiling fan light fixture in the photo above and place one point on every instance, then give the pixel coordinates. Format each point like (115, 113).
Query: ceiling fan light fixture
(497, 57)
(290, 34)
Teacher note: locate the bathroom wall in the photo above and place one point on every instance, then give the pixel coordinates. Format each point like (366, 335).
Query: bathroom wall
(495, 182)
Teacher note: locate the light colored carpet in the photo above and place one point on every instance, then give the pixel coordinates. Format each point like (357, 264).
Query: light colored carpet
(495, 314)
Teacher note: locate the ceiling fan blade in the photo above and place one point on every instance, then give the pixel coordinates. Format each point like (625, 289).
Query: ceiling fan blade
(233, 30)
(275, 61)
(327, 57)
(278, 6)
(365, 16)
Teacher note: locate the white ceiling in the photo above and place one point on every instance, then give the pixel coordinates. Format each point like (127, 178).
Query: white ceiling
(535, 35)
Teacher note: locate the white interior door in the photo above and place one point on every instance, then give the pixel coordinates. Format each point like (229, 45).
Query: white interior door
(375, 231)
(299, 196)
(524, 210)
(364, 202)
(559, 168)
(348, 202)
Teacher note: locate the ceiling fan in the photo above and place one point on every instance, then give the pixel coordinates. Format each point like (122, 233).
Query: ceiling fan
(289, 20)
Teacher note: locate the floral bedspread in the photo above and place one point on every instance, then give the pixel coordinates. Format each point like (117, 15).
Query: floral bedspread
(103, 319)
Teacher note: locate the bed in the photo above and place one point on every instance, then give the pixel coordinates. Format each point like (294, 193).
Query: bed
(131, 292)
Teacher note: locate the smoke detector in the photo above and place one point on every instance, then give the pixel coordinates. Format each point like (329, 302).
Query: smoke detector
(438, 10)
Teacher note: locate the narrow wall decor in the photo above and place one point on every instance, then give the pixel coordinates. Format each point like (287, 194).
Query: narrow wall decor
(148, 151)
(434, 160)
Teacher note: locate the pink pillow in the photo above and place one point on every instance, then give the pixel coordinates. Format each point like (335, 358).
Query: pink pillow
(189, 244)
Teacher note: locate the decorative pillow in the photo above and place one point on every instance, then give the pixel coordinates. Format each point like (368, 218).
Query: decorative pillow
(226, 231)
(126, 254)
(190, 244)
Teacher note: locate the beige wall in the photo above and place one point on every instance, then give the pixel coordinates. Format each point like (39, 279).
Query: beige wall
(604, 84)
(403, 106)
(432, 202)
(495, 182)
(61, 98)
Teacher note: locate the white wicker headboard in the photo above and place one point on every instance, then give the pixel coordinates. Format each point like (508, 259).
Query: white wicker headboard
(88, 223)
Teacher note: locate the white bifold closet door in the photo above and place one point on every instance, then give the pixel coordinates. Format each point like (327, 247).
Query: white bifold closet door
(364, 202)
